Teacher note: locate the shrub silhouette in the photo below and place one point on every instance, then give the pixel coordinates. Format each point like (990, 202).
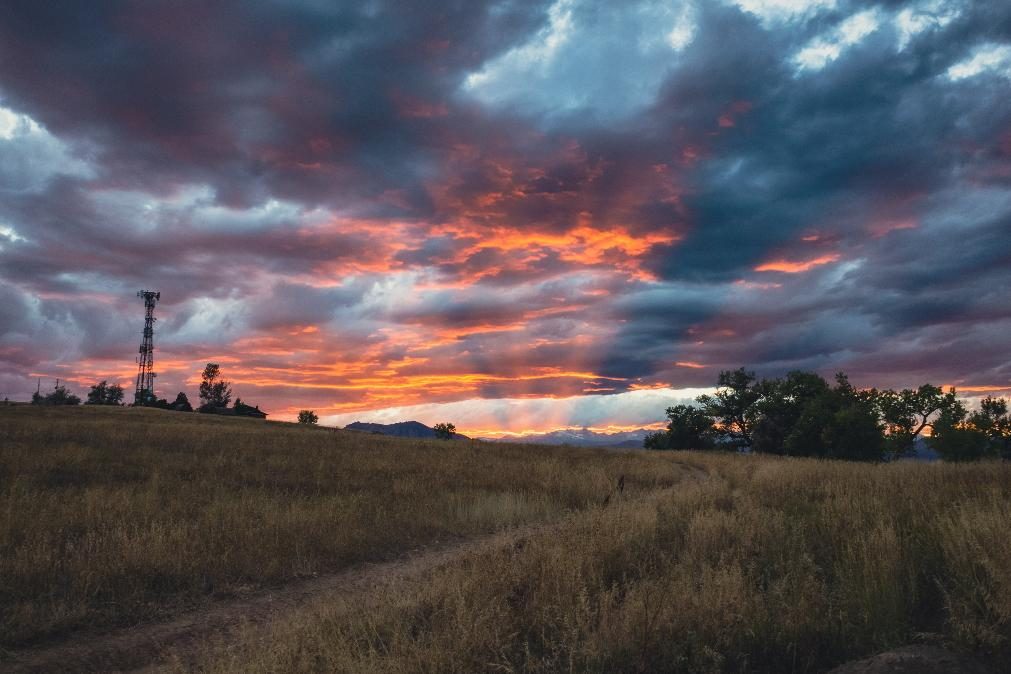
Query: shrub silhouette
(444, 431)
(103, 393)
(215, 393)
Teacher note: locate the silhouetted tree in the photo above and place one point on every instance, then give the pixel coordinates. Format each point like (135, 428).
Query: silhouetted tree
(780, 406)
(307, 417)
(801, 415)
(993, 420)
(733, 405)
(907, 412)
(955, 439)
(854, 431)
(103, 393)
(656, 440)
(114, 395)
(444, 431)
(215, 393)
(181, 403)
(688, 428)
(958, 435)
(59, 396)
(96, 396)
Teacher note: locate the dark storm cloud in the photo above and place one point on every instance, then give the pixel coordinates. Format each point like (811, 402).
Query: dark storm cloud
(875, 138)
(255, 99)
(647, 193)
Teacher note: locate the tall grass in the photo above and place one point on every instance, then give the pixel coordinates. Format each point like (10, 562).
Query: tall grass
(113, 516)
(771, 565)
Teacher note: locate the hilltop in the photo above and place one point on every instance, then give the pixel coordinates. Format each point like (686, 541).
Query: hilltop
(402, 429)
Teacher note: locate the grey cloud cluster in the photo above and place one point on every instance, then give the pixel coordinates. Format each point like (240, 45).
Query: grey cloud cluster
(827, 189)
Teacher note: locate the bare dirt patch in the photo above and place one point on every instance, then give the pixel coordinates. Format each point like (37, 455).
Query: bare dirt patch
(920, 659)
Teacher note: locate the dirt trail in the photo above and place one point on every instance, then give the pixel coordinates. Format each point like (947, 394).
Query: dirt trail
(142, 647)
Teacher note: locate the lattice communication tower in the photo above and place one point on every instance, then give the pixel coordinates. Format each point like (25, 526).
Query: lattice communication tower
(145, 363)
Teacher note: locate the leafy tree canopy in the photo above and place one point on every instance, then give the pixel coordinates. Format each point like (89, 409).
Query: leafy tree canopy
(733, 405)
(104, 393)
(181, 403)
(688, 428)
(444, 431)
(59, 396)
(215, 393)
(801, 414)
(908, 412)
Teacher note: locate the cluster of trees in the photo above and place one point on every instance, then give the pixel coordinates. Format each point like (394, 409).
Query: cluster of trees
(444, 431)
(215, 395)
(180, 404)
(801, 414)
(59, 396)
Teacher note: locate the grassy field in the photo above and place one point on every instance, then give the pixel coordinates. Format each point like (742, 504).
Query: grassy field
(771, 565)
(110, 516)
(767, 565)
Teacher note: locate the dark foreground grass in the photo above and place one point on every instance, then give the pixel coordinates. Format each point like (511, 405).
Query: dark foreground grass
(116, 516)
(771, 565)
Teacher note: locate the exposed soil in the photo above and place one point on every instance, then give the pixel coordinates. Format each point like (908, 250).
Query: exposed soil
(920, 659)
(142, 647)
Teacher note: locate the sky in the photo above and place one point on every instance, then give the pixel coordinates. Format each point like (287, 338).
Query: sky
(515, 216)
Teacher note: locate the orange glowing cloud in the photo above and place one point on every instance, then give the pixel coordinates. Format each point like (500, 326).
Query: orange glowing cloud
(978, 389)
(796, 267)
(881, 228)
(583, 246)
(649, 387)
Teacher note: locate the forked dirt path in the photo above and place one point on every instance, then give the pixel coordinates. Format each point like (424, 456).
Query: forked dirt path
(143, 647)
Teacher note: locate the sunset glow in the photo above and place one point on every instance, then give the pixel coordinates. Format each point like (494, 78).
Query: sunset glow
(795, 267)
(465, 213)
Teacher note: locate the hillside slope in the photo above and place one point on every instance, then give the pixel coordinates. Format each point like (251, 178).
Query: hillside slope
(121, 515)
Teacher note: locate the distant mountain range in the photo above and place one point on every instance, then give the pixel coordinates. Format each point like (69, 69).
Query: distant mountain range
(402, 429)
(582, 438)
(579, 438)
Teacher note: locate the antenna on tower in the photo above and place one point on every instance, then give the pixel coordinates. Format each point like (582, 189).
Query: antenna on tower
(145, 363)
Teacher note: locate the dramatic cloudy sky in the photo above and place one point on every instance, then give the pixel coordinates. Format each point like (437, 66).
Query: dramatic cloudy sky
(512, 215)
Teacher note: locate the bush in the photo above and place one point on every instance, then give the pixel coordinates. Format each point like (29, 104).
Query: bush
(181, 404)
(59, 396)
(444, 431)
(688, 428)
(103, 393)
(307, 417)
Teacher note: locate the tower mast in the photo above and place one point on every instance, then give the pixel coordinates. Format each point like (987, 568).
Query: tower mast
(145, 363)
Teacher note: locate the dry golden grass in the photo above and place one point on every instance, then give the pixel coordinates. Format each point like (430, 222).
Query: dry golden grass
(110, 516)
(771, 565)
